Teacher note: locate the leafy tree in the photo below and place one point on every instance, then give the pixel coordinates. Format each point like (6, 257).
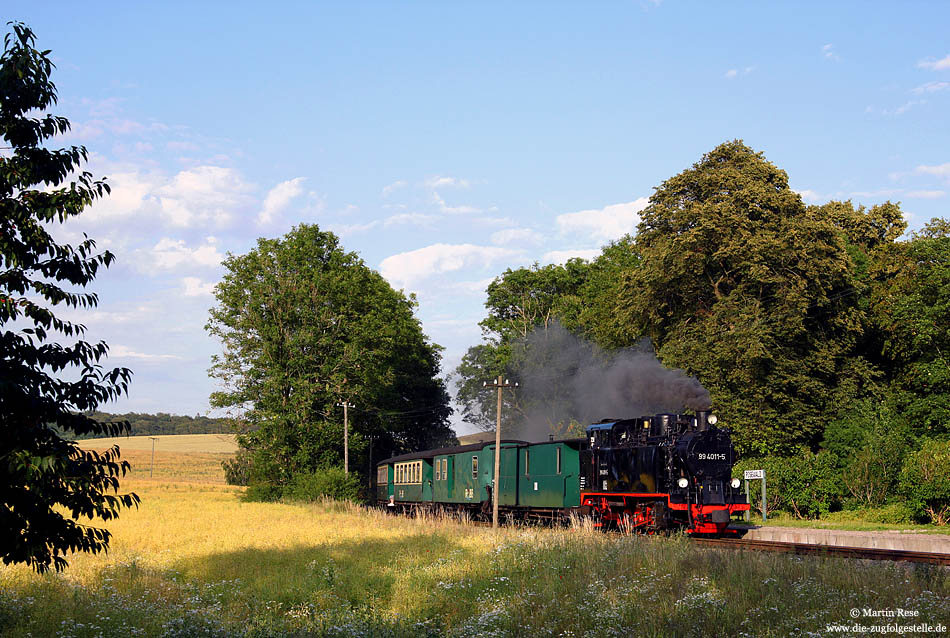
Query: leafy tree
(44, 385)
(744, 286)
(306, 326)
(925, 481)
(911, 305)
(519, 301)
(599, 319)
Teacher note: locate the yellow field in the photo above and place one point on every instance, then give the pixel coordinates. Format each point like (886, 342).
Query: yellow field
(180, 457)
(212, 443)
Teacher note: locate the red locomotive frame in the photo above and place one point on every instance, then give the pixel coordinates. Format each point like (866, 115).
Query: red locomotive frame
(635, 511)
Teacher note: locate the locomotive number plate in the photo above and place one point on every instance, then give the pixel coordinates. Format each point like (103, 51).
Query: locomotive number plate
(754, 474)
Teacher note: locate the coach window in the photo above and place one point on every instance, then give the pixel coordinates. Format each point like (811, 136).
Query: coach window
(445, 469)
(474, 467)
(526, 471)
(438, 470)
(558, 460)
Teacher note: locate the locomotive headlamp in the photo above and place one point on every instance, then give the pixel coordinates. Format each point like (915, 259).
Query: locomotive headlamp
(683, 482)
(712, 419)
(735, 484)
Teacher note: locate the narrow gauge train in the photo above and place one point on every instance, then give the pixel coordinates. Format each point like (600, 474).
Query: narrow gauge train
(668, 471)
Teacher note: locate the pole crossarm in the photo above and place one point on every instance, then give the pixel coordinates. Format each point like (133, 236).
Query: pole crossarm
(499, 383)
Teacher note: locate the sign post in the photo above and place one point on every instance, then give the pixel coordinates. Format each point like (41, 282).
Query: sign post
(751, 475)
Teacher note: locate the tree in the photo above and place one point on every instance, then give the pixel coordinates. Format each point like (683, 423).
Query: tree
(744, 286)
(306, 326)
(925, 481)
(44, 385)
(911, 305)
(518, 301)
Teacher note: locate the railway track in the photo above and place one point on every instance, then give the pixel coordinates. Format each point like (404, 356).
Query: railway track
(868, 553)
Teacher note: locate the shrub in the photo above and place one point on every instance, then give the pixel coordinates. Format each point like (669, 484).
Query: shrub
(262, 492)
(330, 482)
(806, 485)
(925, 482)
(237, 470)
(872, 475)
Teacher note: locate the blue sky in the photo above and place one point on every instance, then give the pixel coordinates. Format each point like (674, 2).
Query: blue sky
(445, 142)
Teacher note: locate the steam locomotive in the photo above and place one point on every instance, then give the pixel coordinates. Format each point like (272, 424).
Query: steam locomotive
(669, 471)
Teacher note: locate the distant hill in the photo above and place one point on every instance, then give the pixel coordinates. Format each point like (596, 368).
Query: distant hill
(162, 423)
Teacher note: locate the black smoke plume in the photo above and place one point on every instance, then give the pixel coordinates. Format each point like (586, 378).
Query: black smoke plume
(565, 378)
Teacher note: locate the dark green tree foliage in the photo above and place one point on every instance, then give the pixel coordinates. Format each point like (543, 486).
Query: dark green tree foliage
(44, 385)
(305, 326)
(518, 301)
(141, 424)
(925, 482)
(912, 306)
(744, 286)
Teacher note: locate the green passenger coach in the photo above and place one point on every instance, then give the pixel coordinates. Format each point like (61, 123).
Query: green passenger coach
(539, 479)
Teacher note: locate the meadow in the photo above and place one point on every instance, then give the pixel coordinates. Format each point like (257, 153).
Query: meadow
(194, 560)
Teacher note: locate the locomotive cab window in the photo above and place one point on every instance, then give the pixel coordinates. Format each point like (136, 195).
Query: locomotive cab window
(474, 467)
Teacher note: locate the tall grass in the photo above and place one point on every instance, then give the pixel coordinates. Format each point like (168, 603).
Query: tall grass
(195, 561)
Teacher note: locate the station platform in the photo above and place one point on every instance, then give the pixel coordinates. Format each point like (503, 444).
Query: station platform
(887, 539)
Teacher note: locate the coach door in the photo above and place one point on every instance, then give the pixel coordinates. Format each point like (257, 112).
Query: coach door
(450, 484)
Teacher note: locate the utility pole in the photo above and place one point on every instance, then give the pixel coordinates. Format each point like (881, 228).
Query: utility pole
(500, 383)
(151, 468)
(346, 436)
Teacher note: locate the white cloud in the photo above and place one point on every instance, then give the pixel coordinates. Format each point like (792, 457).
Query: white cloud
(513, 235)
(926, 194)
(940, 170)
(388, 190)
(561, 256)
(278, 198)
(169, 254)
(194, 287)
(473, 287)
(122, 352)
(931, 87)
(345, 230)
(881, 192)
(734, 73)
(407, 269)
(494, 222)
(417, 219)
(131, 192)
(453, 210)
(182, 146)
(829, 53)
(937, 65)
(809, 196)
(610, 222)
(447, 182)
(204, 195)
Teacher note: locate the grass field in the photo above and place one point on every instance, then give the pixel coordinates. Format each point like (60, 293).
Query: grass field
(179, 457)
(196, 561)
